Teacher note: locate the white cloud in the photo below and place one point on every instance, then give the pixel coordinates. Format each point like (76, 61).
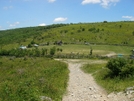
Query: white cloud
(107, 3)
(128, 17)
(7, 7)
(42, 24)
(90, 1)
(60, 19)
(51, 1)
(103, 3)
(14, 24)
(17, 23)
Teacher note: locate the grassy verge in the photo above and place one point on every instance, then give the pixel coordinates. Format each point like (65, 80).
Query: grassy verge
(100, 73)
(29, 78)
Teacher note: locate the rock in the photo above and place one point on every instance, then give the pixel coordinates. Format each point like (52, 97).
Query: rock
(129, 90)
(45, 98)
(90, 88)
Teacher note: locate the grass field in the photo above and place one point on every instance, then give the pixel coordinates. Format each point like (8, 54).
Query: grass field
(110, 85)
(26, 79)
(97, 49)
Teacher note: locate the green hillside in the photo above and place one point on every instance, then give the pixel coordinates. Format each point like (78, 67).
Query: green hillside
(121, 33)
(31, 74)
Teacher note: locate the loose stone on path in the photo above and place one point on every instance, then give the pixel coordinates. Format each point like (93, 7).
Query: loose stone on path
(82, 87)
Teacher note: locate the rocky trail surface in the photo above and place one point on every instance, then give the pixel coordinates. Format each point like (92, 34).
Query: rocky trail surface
(82, 86)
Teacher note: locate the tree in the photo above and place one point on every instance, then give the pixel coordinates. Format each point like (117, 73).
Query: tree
(104, 21)
(32, 42)
(47, 43)
(52, 51)
(29, 46)
(91, 51)
(44, 52)
(120, 26)
(83, 29)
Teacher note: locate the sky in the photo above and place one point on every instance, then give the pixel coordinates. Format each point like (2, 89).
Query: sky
(29, 13)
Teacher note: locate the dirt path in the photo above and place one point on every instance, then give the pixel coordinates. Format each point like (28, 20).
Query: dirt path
(82, 87)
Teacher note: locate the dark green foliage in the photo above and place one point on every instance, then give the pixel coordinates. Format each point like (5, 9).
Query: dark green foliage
(91, 51)
(52, 51)
(21, 53)
(29, 46)
(105, 22)
(115, 65)
(44, 52)
(127, 70)
(32, 42)
(92, 29)
(65, 31)
(83, 29)
(120, 67)
(47, 43)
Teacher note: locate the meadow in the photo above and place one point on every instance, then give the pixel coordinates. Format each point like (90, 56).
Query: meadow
(28, 79)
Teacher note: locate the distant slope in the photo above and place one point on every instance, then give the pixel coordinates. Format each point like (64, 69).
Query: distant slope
(121, 33)
(22, 34)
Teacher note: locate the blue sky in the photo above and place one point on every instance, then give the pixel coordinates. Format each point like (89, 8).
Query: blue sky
(26, 13)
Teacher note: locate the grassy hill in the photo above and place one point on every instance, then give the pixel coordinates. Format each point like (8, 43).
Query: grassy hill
(119, 33)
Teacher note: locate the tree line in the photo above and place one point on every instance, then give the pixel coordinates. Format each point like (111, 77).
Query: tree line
(30, 52)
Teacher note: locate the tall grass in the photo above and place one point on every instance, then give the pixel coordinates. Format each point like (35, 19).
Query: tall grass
(26, 79)
(100, 73)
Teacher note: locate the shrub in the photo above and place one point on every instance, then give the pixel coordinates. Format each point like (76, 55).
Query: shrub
(52, 51)
(127, 70)
(120, 67)
(29, 46)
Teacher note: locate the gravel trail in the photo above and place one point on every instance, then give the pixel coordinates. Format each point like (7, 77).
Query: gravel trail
(82, 87)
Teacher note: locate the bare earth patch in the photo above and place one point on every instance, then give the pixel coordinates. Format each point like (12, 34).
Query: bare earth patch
(82, 86)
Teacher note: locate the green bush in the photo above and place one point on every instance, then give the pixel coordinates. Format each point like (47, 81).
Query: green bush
(120, 67)
(52, 51)
(127, 70)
